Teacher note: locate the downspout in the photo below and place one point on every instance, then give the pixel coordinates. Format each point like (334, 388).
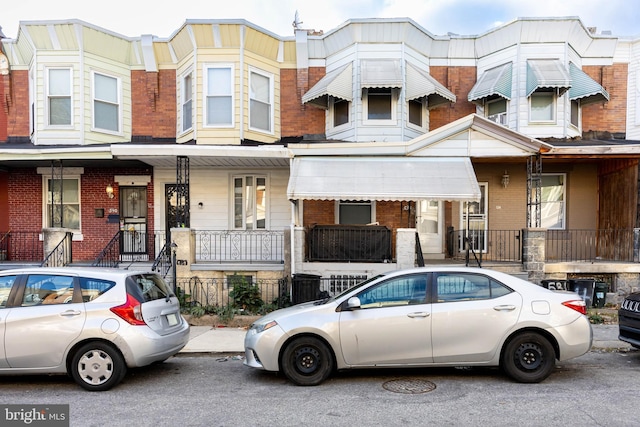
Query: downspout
(402, 94)
(294, 221)
(357, 104)
(242, 34)
(78, 30)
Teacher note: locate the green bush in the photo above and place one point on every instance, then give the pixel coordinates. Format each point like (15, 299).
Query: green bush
(246, 296)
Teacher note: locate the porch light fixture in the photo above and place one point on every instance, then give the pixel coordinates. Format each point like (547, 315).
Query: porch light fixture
(505, 179)
(109, 191)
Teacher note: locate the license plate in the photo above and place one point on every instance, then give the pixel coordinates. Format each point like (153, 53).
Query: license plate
(172, 319)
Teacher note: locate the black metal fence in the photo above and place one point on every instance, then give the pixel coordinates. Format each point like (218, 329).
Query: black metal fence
(349, 243)
(23, 246)
(590, 245)
(487, 245)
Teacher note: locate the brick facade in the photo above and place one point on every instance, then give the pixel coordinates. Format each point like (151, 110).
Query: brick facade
(609, 116)
(17, 107)
(460, 81)
(154, 103)
(296, 118)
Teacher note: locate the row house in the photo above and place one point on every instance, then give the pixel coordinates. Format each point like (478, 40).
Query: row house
(226, 152)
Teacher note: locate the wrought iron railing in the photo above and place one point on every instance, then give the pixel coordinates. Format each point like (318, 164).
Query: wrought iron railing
(62, 254)
(485, 245)
(110, 255)
(236, 246)
(349, 243)
(591, 245)
(25, 246)
(162, 263)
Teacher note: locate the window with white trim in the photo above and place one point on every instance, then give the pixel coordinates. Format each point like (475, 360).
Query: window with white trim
(261, 101)
(496, 111)
(379, 105)
(106, 102)
(355, 212)
(187, 101)
(552, 206)
(219, 95)
(339, 111)
(575, 113)
(249, 202)
(62, 202)
(416, 112)
(542, 107)
(59, 84)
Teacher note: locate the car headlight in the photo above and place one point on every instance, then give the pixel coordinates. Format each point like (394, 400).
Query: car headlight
(261, 327)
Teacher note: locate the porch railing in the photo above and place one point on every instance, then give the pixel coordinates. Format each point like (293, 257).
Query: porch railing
(62, 254)
(130, 246)
(349, 243)
(24, 246)
(486, 245)
(231, 246)
(590, 245)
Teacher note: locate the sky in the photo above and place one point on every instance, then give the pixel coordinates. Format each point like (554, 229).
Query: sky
(134, 18)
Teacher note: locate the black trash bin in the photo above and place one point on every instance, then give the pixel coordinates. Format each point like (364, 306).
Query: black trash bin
(600, 294)
(306, 287)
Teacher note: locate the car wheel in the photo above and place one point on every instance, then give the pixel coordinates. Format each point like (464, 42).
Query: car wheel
(97, 366)
(307, 361)
(529, 358)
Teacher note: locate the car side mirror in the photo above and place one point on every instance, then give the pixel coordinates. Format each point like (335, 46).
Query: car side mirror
(353, 303)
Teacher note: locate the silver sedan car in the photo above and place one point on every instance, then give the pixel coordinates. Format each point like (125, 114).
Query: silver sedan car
(92, 323)
(441, 316)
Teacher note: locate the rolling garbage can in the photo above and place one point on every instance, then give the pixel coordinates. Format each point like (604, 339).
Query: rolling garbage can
(600, 294)
(555, 284)
(306, 287)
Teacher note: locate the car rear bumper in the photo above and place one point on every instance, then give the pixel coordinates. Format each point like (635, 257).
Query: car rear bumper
(574, 339)
(146, 346)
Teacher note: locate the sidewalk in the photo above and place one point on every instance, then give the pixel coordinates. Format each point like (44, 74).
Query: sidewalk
(206, 339)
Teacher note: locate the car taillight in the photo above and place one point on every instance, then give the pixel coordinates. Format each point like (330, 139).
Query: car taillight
(577, 305)
(130, 311)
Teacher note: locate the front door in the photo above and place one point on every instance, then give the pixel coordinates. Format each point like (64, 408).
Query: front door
(429, 226)
(133, 216)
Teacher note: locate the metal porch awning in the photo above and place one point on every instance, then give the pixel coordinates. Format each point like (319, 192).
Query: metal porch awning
(547, 73)
(585, 88)
(383, 178)
(496, 81)
(337, 83)
(421, 83)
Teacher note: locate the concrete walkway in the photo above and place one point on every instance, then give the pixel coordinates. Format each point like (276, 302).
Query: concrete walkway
(206, 339)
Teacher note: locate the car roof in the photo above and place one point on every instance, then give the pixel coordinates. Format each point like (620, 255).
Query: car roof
(101, 272)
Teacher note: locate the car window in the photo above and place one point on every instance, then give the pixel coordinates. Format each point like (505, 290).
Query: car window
(467, 287)
(405, 290)
(93, 288)
(6, 282)
(147, 287)
(47, 289)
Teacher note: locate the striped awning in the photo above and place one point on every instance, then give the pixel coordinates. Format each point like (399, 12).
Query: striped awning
(380, 73)
(547, 73)
(337, 83)
(585, 88)
(496, 81)
(421, 84)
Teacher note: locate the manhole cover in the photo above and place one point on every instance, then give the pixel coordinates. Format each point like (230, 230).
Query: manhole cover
(409, 386)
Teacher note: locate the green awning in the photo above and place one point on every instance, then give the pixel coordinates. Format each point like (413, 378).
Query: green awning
(547, 73)
(337, 83)
(585, 88)
(496, 81)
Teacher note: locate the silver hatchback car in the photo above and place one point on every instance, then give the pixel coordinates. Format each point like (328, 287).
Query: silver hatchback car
(447, 316)
(91, 323)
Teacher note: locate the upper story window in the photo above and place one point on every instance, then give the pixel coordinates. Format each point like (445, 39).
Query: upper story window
(575, 113)
(552, 206)
(59, 84)
(261, 101)
(496, 111)
(187, 102)
(542, 107)
(417, 111)
(219, 96)
(106, 102)
(250, 202)
(339, 112)
(379, 104)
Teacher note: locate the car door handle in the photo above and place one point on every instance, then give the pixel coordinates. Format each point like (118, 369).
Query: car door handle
(504, 307)
(70, 313)
(419, 314)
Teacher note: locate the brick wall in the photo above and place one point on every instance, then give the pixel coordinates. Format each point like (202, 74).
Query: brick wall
(298, 119)
(18, 111)
(460, 81)
(5, 102)
(154, 104)
(25, 206)
(609, 116)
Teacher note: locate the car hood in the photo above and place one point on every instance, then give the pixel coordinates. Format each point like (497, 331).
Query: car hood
(294, 310)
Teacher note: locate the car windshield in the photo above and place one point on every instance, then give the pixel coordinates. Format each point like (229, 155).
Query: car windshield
(353, 288)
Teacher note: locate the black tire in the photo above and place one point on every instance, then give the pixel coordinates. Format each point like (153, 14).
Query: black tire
(528, 358)
(307, 361)
(97, 366)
